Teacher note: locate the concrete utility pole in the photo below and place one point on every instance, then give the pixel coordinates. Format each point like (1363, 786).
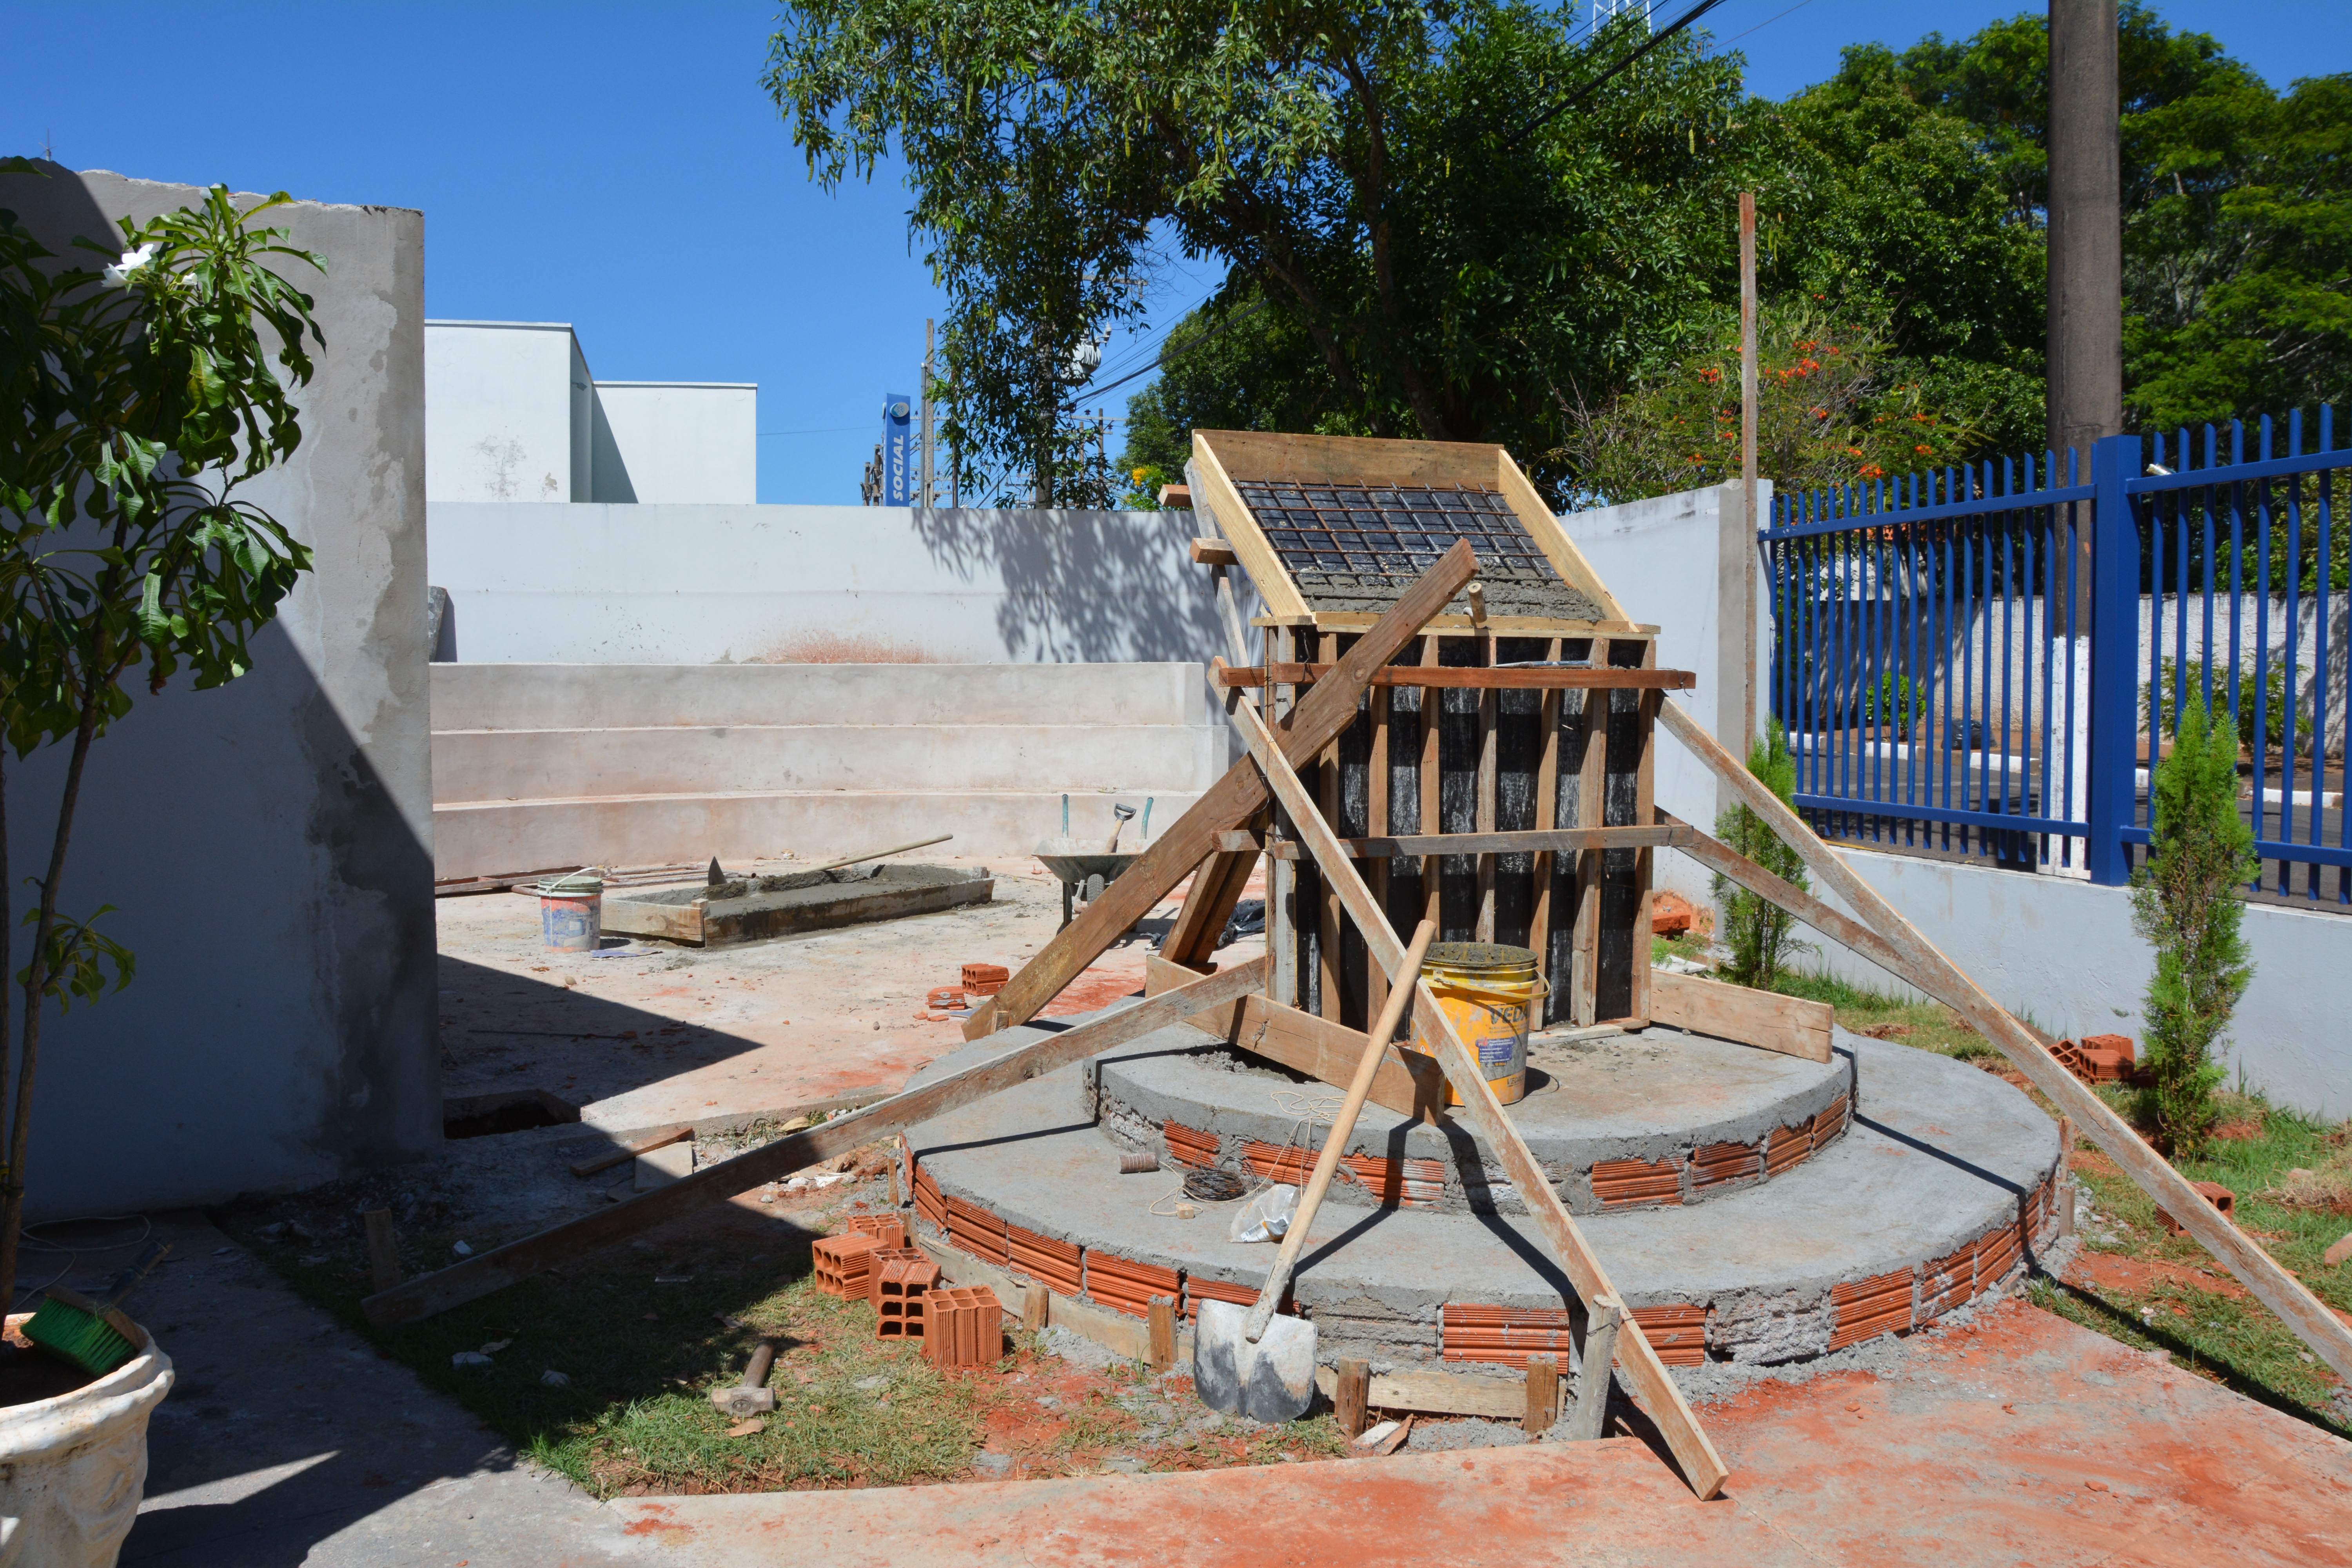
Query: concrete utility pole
(2086, 324)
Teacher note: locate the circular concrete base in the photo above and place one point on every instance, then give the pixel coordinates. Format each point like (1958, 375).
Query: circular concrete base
(1626, 1120)
(1937, 1193)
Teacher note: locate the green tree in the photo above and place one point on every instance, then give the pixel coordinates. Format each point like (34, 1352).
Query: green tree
(1760, 933)
(1370, 172)
(2184, 906)
(138, 398)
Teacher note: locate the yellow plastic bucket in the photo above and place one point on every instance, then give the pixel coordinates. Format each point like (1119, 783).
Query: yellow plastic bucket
(1489, 991)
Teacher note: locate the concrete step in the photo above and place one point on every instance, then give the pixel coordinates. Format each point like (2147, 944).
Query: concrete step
(636, 696)
(1932, 1199)
(480, 838)
(474, 765)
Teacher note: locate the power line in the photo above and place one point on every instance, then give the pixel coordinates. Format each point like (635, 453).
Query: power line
(1768, 21)
(1187, 347)
(828, 430)
(1565, 104)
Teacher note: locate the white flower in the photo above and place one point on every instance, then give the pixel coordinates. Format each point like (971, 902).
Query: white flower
(120, 273)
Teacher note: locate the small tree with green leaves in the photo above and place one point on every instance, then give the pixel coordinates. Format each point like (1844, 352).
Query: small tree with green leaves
(1758, 931)
(135, 398)
(2184, 905)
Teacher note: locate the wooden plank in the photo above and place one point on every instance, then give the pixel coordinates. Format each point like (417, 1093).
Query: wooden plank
(1472, 677)
(1160, 975)
(729, 922)
(1924, 966)
(1518, 842)
(1330, 991)
(1544, 527)
(1645, 799)
(1462, 625)
(1432, 789)
(1282, 878)
(1765, 1019)
(1701, 1467)
(1546, 820)
(1376, 822)
(1232, 801)
(1487, 784)
(1408, 1081)
(1438, 1392)
(632, 917)
(1349, 459)
(501, 1267)
(1241, 530)
(1213, 553)
(1591, 811)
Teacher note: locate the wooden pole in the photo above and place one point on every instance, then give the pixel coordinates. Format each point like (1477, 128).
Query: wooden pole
(1352, 1394)
(1602, 1320)
(1543, 1396)
(1434, 1034)
(1912, 958)
(1745, 695)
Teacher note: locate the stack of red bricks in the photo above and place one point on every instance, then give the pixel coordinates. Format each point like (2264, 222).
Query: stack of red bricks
(963, 1326)
(2098, 1058)
(984, 979)
(843, 1263)
(897, 1283)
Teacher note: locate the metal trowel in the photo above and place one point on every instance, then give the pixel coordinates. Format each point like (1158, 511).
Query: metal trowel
(1247, 1361)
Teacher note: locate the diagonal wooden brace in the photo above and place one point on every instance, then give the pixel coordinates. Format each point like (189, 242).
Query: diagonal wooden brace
(1896, 945)
(1232, 801)
(494, 1271)
(1435, 1033)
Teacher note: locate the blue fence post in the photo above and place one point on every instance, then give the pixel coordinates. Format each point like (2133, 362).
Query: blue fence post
(2115, 654)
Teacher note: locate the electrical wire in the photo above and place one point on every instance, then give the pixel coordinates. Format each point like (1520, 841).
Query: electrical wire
(29, 1241)
(1568, 103)
(1768, 21)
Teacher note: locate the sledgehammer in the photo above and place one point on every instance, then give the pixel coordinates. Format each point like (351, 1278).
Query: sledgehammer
(1252, 1362)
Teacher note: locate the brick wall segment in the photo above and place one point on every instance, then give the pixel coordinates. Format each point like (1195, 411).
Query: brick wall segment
(1057, 1265)
(1278, 1163)
(1126, 1286)
(1719, 1163)
(1189, 1146)
(1505, 1336)
(1397, 1183)
(1678, 1331)
(1787, 1145)
(1868, 1307)
(976, 1230)
(1620, 1183)
(1197, 1290)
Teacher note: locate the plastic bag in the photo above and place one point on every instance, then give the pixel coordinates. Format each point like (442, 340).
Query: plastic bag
(1265, 1217)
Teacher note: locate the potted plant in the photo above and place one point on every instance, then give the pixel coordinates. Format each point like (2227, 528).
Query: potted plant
(135, 397)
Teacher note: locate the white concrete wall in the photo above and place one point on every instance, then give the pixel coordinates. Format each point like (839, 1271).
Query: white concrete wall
(1668, 561)
(705, 584)
(2062, 954)
(266, 845)
(499, 411)
(677, 442)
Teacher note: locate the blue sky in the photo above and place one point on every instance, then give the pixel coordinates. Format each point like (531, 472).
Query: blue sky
(616, 166)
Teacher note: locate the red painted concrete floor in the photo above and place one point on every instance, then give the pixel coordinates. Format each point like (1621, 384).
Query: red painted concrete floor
(2024, 1440)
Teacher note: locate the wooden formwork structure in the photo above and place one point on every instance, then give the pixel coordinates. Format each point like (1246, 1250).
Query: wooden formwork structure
(1505, 804)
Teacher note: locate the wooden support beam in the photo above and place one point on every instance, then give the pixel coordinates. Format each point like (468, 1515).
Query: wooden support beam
(1487, 787)
(1472, 678)
(1546, 820)
(1213, 553)
(501, 1267)
(1329, 994)
(1553, 840)
(1591, 811)
(1408, 1082)
(1921, 964)
(1765, 1019)
(1701, 1467)
(1232, 800)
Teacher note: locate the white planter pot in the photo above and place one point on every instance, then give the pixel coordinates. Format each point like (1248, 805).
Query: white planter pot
(72, 1468)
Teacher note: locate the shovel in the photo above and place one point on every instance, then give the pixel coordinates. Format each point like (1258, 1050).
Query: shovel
(1247, 1362)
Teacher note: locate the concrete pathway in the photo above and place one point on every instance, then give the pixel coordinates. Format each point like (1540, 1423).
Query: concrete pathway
(287, 1439)
(2024, 1440)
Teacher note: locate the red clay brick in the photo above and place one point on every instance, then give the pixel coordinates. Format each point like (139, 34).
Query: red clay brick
(1947, 1282)
(1719, 1163)
(900, 1280)
(1187, 1146)
(1620, 1183)
(929, 1203)
(2220, 1196)
(1278, 1163)
(1831, 1120)
(1057, 1265)
(1678, 1331)
(841, 1263)
(1126, 1286)
(963, 1326)
(1398, 1184)
(984, 979)
(1998, 1251)
(975, 1230)
(889, 1230)
(1868, 1307)
(1471, 1330)
(1789, 1145)
(1197, 1290)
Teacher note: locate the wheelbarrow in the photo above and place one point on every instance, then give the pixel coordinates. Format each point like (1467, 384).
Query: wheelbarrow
(1088, 865)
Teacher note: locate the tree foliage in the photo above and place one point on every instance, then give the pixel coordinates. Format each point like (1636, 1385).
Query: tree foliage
(2184, 907)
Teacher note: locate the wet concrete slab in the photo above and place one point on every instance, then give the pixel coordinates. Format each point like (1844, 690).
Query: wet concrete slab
(2021, 1440)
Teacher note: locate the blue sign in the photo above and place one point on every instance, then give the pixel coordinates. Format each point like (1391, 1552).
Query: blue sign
(897, 449)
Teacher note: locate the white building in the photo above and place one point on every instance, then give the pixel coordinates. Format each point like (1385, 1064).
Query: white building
(512, 415)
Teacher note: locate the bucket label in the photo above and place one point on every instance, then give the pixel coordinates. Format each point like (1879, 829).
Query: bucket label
(1497, 1053)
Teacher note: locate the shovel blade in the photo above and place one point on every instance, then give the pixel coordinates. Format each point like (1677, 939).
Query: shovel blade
(1271, 1381)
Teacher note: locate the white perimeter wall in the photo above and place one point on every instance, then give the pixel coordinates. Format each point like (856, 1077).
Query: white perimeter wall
(1672, 562)
(677, 441)
(2051, 949)
(499, 411)
(589, 583)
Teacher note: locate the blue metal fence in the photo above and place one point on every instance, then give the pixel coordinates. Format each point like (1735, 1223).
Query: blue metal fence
(1984, 661)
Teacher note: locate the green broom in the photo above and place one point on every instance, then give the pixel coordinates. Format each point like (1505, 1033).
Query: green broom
(96, 1336)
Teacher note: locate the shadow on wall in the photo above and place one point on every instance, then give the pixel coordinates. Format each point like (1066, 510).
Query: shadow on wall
(1085, 586)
